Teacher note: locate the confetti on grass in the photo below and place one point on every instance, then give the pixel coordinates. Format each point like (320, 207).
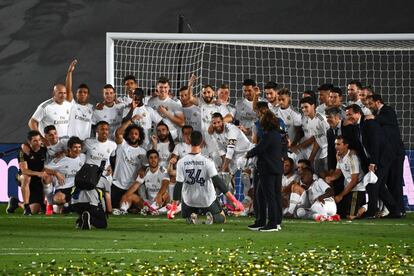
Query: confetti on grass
(237, 261)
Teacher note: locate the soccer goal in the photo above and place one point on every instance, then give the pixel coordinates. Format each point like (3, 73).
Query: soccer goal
(297, 62)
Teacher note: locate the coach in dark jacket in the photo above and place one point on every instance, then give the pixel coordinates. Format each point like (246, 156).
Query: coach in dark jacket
(379, 154)
(387, 118)
(270, 169)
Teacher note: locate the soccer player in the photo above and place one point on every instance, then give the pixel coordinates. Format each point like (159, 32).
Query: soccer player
(352, 196)
(130, 85)
(91, 205)
(289, 177)
(55, 111)
(80, 120)
(130, 158)
(335, 100)
(163, 142)
(245, 114)
(101, 149)
(55, 147)
(313, 200)
(272, 96)
(208, 107)
(354, 91)
(290, 116)
(324, 91)
(197, 179)
(170, 110)
(314, 144)
(223, 98)
(62, 172)
(109, 111)
(142, 115)
(32, 156)
(232, 142)
(192, 112)
(155, 181)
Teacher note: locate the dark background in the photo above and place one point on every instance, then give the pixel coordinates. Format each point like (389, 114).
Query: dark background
(38, 39)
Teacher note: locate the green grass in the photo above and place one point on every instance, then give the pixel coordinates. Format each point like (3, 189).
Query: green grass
(154, 245)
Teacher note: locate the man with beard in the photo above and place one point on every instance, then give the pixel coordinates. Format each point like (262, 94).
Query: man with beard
(163, 143)
(92, 204)
(209, 107)
(80, 120)
(32, 156)
(109, 111)
(232, 142)
(245, 114)
(386, 116)
(354, 90)
(130, 159)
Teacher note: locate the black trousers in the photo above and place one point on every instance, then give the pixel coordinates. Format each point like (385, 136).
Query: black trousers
(98, 216)
(116, 195)
(379, 191)
(268, 198)
(395, 182)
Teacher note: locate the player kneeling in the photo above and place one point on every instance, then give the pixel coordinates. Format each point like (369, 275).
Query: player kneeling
(197, 179)
(153, 185)
(312, 200)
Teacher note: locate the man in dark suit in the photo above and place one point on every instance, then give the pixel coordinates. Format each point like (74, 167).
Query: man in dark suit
(387, 118)
(377, 151)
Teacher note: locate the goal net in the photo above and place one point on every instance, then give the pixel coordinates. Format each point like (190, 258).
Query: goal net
(297, 62)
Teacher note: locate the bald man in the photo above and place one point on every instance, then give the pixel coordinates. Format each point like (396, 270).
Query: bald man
(54, 111)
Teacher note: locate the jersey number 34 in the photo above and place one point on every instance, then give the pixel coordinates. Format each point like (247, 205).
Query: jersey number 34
(194, 178)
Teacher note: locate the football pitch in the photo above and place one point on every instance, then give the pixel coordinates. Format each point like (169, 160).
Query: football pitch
(136, 245)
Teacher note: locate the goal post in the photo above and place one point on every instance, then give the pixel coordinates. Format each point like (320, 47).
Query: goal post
(297, 62)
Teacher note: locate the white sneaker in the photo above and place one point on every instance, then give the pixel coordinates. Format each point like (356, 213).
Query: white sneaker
(193, 219)
(116, 212)
(209, 218)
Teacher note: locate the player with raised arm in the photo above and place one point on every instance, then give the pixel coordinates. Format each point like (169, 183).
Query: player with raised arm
(80, 120)
(142, 115)
(197, 179)
(130, 158)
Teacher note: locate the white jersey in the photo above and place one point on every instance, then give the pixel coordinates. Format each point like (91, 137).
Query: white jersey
(292, 119)
(172, 106)
(181, 149)
(80, 121)
(273, 108)
(112, 115)
(164, 152)
(286, 181)
(321, 108)
(317, 189)
(316, 127)
(59, 147)
(364, 109)
(128, 160)
(68, 167)
(153, 182)
(349, 165)
(96, 151)
(148, 117)
(192, 116)
(245, 113)
(195, 172)
(231, 108)
(232, 136)
(51, 113)
(207, 110)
